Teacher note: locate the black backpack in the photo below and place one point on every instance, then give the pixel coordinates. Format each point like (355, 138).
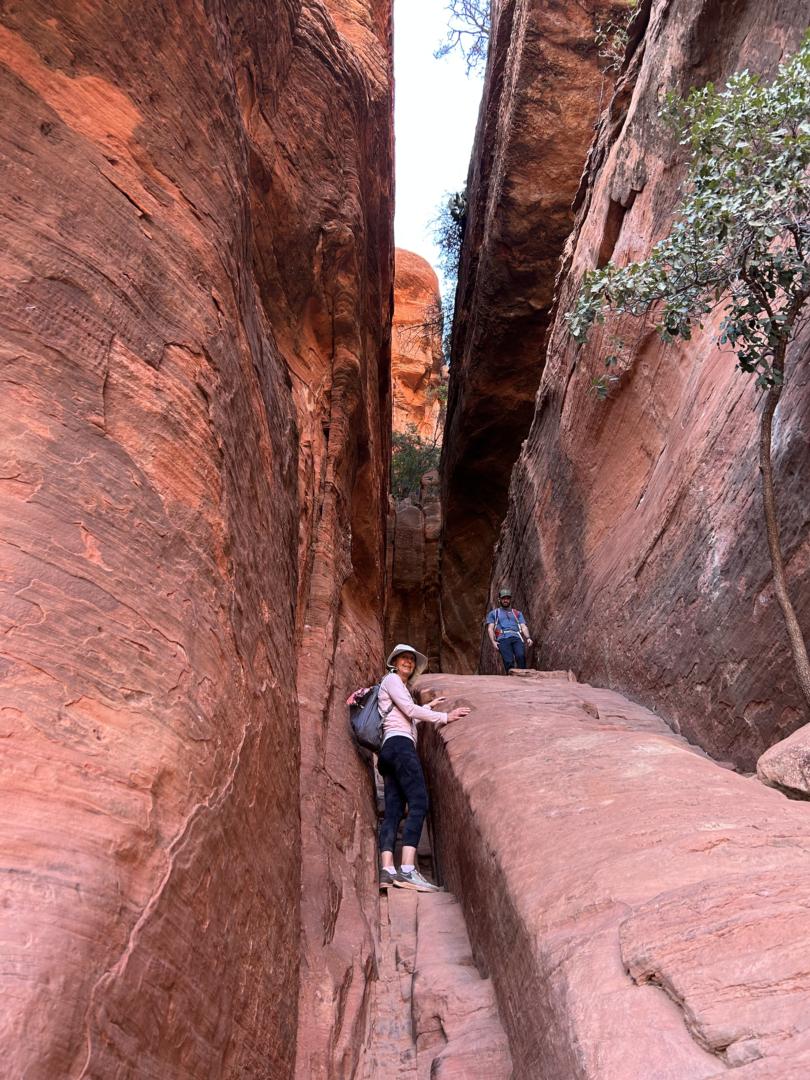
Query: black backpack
(365, 719)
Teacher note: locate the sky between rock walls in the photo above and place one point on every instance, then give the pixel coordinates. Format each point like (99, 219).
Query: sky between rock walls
(435, 112)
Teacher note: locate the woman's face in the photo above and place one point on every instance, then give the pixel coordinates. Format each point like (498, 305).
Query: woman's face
(405, 665)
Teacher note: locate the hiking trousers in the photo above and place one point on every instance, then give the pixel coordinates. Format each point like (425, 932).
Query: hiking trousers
(404, 783)
(513, 652)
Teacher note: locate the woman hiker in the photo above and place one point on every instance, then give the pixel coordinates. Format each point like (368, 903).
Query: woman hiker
(400, 768)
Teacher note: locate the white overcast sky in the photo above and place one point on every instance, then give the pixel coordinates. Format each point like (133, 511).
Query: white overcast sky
(436, 108)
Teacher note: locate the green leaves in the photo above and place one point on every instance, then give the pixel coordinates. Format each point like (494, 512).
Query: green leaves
(411, 458)
(448, 230)
(741, 236)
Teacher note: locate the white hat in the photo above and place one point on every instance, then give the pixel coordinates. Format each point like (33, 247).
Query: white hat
(421, 659)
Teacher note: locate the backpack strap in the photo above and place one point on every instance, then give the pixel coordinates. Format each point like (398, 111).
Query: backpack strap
(384, 712)
(498, 620)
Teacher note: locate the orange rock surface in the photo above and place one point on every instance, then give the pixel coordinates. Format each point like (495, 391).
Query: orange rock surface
(635, 538)
(416, 346)
(197, 268)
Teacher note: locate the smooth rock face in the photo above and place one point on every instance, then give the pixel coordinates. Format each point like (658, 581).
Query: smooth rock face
(338, 128)
(787, 764)
(635, 536)
(541, 99)
(193, 319)
(641, 911)
(416, 346)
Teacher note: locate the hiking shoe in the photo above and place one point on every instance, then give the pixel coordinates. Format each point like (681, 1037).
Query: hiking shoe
(386, 879)
(414, 881)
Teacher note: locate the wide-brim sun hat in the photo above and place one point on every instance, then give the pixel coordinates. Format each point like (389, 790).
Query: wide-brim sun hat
(421, 659)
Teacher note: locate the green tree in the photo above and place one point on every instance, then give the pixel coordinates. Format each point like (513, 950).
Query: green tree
(411, 458)
(740, 242)
(449, 227)
(468, 31)
(611, 35)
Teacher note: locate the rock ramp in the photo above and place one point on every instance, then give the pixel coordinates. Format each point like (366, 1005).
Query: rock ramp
(641, 910)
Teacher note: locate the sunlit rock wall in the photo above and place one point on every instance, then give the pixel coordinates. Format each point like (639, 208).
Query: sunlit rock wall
(542, 94)
(416, 347)
(635, 536)
(197, 270)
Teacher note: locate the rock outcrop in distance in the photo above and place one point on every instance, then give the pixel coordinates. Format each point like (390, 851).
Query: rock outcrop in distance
(195, 333)
(543, 91)
(416, 347)
(640, 909)
(414, 524)
(635, 537)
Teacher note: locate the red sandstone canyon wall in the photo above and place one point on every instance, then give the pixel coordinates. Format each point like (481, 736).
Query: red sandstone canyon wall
(194, 329)
(541, 98)
(635, 537)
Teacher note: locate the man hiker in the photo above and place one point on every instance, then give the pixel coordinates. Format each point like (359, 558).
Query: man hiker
(507, 631)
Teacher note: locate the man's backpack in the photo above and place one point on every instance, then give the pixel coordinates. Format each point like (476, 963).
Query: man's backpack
(365, 719)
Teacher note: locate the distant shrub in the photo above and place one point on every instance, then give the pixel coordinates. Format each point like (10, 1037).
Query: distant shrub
(611, 36)
(411, 458)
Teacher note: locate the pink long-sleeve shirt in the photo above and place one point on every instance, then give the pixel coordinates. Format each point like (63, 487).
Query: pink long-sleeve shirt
(402, 718)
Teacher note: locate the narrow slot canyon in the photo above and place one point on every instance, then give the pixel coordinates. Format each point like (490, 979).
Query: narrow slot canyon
(251, 442)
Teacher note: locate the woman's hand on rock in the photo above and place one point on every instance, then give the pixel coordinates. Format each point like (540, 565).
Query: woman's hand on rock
(436, 701)
(458, 713)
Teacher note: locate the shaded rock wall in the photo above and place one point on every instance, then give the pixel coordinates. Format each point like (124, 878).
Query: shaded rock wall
(541, 99)
(640, 910)
(197, 273)
(416, 346)
(635, 537)
(412, 614)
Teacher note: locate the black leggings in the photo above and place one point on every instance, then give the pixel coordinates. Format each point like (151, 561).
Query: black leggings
(404, 781)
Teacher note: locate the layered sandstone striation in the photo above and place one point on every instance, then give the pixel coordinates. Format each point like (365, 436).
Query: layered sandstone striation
(635, 537)
(639, 909)
(542, 94)
(416, 347)
(197, 274)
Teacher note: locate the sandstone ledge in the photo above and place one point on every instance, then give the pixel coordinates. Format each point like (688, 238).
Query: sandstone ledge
(638, 908)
